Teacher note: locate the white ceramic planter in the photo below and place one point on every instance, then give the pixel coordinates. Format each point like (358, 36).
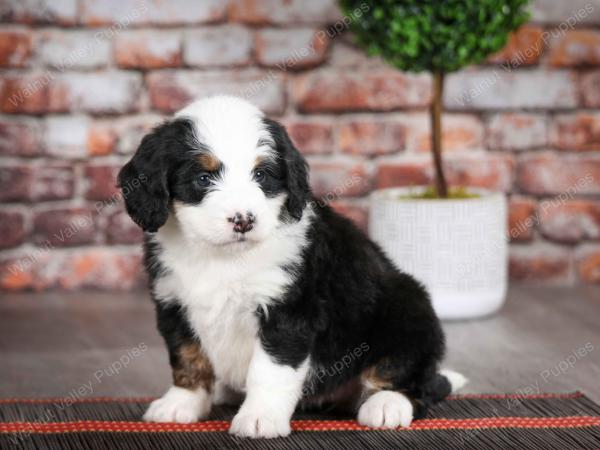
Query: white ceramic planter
(457, 248)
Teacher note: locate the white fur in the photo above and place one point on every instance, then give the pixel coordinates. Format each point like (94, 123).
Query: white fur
(221, 290)
(179, 405)
(273, 390)
(219, 279)
(457, 380)
(234, 132)
(387, 409)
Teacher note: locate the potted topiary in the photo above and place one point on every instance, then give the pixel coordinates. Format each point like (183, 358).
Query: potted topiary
(454, 239)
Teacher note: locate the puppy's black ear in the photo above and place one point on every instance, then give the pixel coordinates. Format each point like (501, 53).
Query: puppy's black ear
(143, 181)
(296, 170)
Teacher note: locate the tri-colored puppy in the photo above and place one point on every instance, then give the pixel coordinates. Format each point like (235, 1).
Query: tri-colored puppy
(263, 293)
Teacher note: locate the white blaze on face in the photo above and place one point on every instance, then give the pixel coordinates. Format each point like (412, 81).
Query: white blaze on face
(234, 131)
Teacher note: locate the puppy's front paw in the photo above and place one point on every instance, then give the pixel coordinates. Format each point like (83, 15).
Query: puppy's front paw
(259, 424)
(386, 409)
(179, 405)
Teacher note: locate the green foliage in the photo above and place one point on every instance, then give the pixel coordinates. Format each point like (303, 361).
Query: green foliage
(434, 35)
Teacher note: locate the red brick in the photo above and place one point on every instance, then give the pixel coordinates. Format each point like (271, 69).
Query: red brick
(54, 181)
(284, 11)
(490, 171)
(291, 49)
(377, 90)
(500, 89)
(100, 93)
(590, 89)
(87, 269)
(129, 13)
(346, 55)
(20, 137)
(356, 213)
(60, 12)
(16, 274)
(148, 49)
(587, 263)
(171, 90)
(48, 268)
(372, 136)
(101, 140)
(541, 263)
(15, 47)
(121, 135)
(122, 230)
(516, 131)
(227, 45)
(101, 182)
(26, 93)
(15, 182)
(576, 48)
(570, 221)
(130, 131)
(332, 180)
(522, 219)
(65, 227)
(12, 229)
(566, 175)
(460, 132)
(66, 137)
(311, 136)
(580, 132)
(403, 173)
(524, 48)
(68, 50)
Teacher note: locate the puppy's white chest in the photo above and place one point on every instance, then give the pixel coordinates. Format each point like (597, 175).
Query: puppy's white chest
(227, 329)
(221, 301)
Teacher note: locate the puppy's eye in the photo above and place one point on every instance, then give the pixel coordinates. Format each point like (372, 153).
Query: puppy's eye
(203, 180)
(259, 175)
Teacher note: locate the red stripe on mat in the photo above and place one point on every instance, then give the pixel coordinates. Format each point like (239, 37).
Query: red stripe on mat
(297, 425)
(149, 399)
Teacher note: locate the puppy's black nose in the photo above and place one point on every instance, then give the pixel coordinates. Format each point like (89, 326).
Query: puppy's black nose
(242, 223)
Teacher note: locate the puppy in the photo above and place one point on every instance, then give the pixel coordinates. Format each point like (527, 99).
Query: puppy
(264, 293)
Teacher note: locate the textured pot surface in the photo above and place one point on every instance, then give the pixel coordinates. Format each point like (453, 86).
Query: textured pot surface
(457, 247)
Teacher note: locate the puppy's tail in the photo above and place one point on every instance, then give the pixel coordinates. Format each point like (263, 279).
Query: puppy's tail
(443, 384)
(437, 389)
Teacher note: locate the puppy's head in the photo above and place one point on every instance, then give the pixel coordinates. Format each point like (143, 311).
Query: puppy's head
(227, 173)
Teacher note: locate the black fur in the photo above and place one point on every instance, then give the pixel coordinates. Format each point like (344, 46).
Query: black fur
(295, 169)
(349, 294)
(163, 168)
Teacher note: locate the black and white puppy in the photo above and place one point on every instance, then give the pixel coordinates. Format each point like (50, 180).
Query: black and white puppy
(263, 293)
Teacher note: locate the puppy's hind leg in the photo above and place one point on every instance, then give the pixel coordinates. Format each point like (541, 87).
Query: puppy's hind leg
(391, 399)
(383, 405)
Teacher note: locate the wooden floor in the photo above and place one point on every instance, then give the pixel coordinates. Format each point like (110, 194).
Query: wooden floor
(96, 344)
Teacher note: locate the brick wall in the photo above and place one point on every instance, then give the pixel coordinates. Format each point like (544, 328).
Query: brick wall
(82, 80)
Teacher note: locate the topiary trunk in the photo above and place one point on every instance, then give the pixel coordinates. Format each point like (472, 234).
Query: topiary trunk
(436, 134)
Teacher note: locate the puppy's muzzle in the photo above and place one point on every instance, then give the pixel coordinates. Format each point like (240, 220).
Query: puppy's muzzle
(242, 223)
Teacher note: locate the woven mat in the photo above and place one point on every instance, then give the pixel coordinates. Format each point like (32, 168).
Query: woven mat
(547, 421)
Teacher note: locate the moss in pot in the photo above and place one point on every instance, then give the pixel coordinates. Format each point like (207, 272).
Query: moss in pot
(454, 240)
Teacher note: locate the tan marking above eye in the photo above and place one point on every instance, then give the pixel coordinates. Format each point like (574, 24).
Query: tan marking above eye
(259, 160)
(209, 162)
